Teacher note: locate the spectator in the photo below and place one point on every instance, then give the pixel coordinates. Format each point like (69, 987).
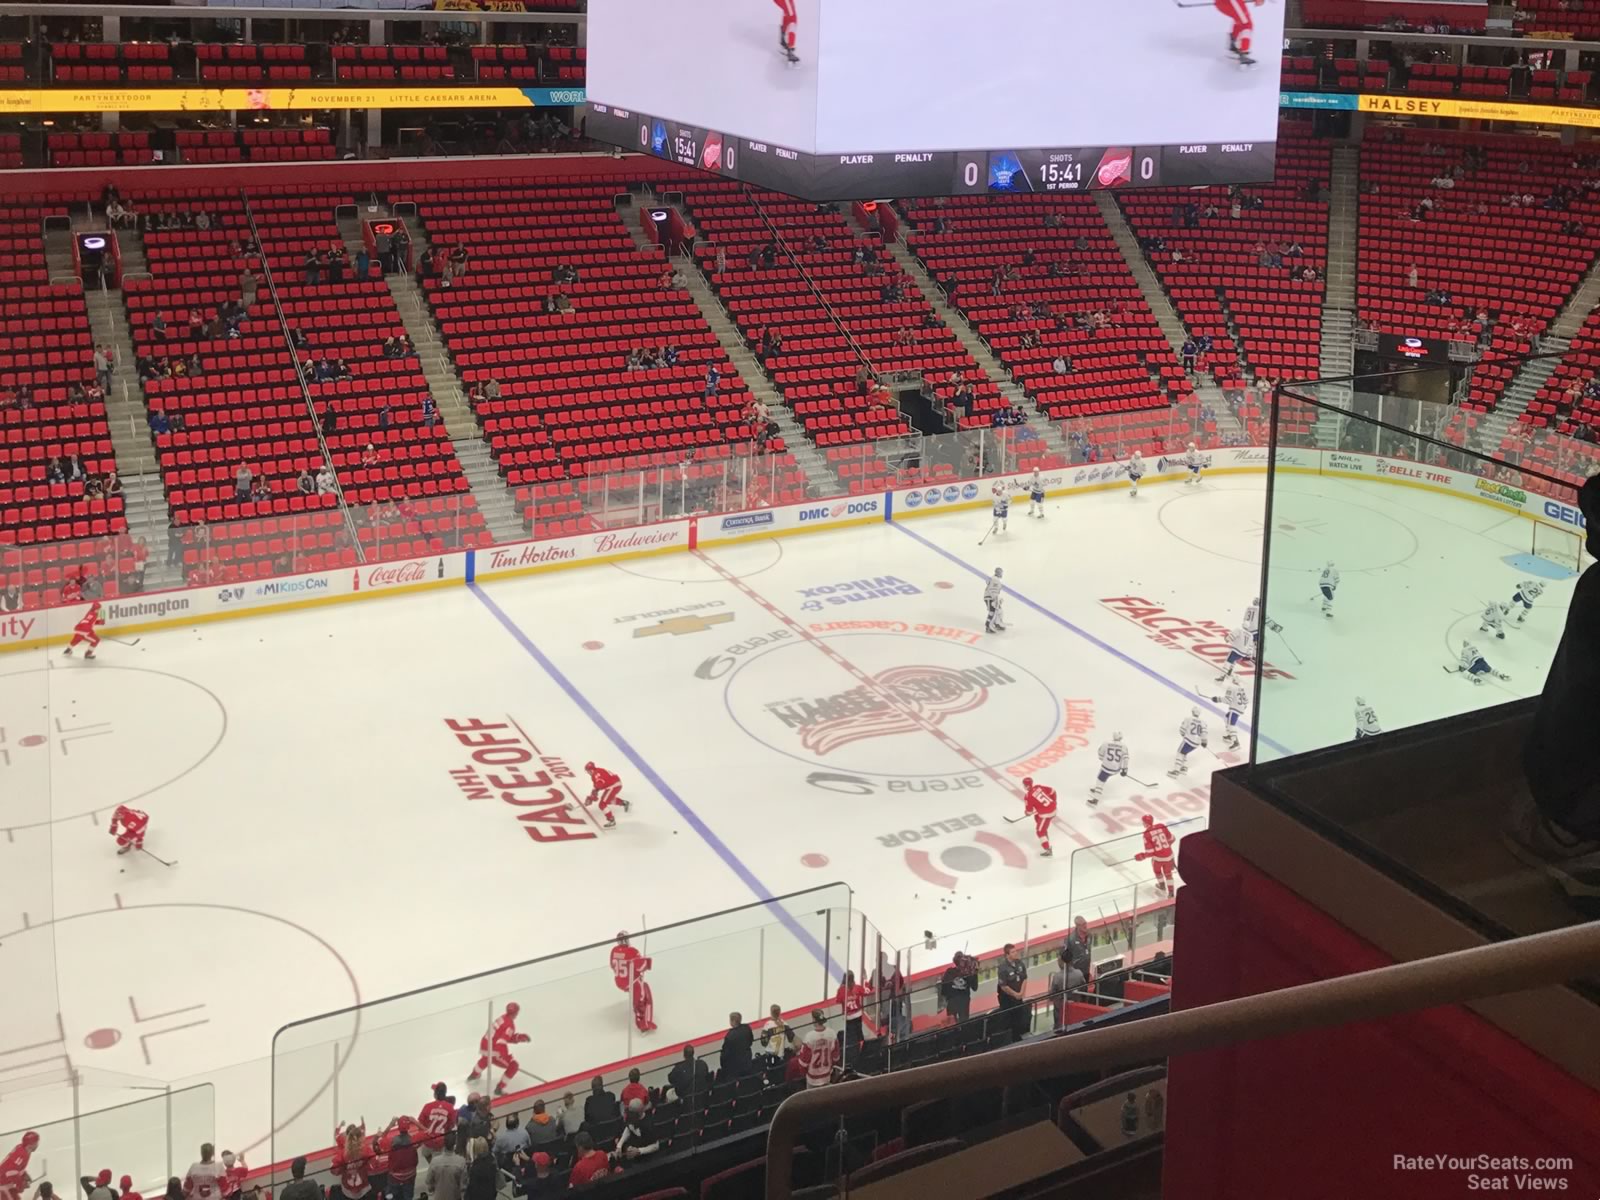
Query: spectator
(241, 482)
(301, 1188)
(363, 264)
(713, 377)
(430, 412)
(1010, 990)
(369, 456)
(1188, 353)
(960, 980)
(313, 267)
(777, 1038)
(600, 1106)
(633, 1143)
(1556, 826)
(1065, 979)
(690, 1078)
(447, 1172)
(325, 481)
(852, 999)
(304, 483)
(330, 419)
(543, 1128)
(817, 1051)
(98, 1187)
(569, 1114)
(1077, 947)
(1061, 365)
(102, 366)
(75, 471)
(158, 326)
(588, 1164)
(514, 1139)
(483, 1173)
(736, 1044)
(204, 1178)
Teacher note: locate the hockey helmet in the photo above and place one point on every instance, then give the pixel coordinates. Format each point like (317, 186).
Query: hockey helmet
(1194, 710)
(1360, 703)
(622, 937)
(589, 766)
(1149, 820)
(999, 572)
(1027, 783)
(1191, 445)
(1116, 737)
(513, 1009)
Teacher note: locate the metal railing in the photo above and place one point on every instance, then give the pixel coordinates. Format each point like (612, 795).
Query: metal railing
(1542, 960)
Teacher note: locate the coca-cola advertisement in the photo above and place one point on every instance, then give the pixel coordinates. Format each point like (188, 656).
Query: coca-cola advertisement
(398, 574)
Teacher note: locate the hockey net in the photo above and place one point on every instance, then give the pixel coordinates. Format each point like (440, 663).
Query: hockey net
(1558, 544)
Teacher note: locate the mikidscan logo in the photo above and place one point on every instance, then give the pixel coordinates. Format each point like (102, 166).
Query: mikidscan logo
(746, 521)
(291, 587)
(1567, 516)
(845, 508)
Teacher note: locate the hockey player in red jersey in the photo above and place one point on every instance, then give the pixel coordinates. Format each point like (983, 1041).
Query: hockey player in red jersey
(495, 1047)
(786, 31)
(1158, 849)
(606, 791)
(1039, 802)
(1238, 11)
(14, 1178)
(628, 966)
(83, 631)
(128, 826)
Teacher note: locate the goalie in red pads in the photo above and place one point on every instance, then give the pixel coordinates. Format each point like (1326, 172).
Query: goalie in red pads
(628, 966)
(606, 791)
(1039, 802)
(1158, 849)
(83, 631)
(495, 1047)
(128, 826)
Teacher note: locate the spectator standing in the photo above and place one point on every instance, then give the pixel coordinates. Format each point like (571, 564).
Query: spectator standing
(363, 264)
(1064, 980)
(447, 1173)
(125, 1189)
(402, 1163)
(98, 1187)
(713, 377)
(777, 1038)
(817, 1050)
(313, 267)
(690, 1078)
(736, 1047)
(513, 1139)
(1556, 826)
(203, 1181)
(956, 987)
(102, 366)
(589, 1163)
(600, 1106)
(540, 1180)
(1010, 988)
(241, 482)
(1077, 947)
(852, 997)
(430, 412)
(483, 1173)
(636, 1090)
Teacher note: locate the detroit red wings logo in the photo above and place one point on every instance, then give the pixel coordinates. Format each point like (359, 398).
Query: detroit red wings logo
(908, 699)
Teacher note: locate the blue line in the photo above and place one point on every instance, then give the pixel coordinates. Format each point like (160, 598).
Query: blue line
(762, 892)
(1188, 693)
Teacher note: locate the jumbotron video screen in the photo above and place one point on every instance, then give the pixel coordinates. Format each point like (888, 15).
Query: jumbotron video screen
(843, 99)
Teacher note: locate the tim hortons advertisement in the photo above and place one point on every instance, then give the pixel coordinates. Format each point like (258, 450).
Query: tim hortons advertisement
(582, 548)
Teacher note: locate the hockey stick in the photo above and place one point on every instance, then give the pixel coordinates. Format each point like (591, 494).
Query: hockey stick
(158, 858)
(1142, 783)
(120, 642)
(993, 525)
(1290, 649)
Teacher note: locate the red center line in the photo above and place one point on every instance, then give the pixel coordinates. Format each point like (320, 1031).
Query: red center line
(889, 698)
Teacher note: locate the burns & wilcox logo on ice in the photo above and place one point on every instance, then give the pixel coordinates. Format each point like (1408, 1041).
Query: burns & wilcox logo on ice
(908, 699)
(855, 591)
(504, 764)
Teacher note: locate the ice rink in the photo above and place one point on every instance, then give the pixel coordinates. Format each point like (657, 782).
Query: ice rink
(309, 772)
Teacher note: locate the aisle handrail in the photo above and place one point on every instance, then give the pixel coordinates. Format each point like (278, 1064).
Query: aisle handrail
(1539, 960)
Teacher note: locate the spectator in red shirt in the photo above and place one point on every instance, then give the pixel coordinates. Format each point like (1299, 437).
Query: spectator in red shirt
(590, 1164)
(852, 999)
(126, 1184)
(634, 1090)
(437, 1118)
(402, 1161)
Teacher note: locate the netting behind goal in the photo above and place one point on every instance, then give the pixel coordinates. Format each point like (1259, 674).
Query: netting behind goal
(1560, 544)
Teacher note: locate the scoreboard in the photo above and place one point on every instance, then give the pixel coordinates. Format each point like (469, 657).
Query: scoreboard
(905, 174)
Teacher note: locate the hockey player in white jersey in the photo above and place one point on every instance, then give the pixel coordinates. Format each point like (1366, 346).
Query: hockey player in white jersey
(1237, 697)
(1135, 472)
(1241, 649)
(1366, 720)
(1328, 584)
(1036, 495)
(1252, 620)
(1191, 737)
(1527, 592)
(1474, 666)
(994, 599)
(1494, 619)
(1002, 506)
(1113, 762)
(1193, 461)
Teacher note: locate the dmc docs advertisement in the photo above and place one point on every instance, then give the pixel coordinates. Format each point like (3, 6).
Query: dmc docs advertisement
(725, 65)
(949, 75)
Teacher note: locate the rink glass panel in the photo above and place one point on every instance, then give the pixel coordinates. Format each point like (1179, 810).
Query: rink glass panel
(1418, 562)
(377, 1059)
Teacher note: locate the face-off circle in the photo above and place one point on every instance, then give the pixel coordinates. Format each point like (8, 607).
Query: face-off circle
(892, 703)
(74, 742)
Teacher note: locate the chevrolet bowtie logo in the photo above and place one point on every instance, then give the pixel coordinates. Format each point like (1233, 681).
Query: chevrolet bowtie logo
(676, 626)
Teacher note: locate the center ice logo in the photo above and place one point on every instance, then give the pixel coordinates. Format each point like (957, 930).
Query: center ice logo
(907, 699)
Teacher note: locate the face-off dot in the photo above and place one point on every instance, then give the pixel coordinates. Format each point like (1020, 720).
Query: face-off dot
(33, 739)
(102, 1039)
(964, 858)
(813, 860)
(594, 645)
